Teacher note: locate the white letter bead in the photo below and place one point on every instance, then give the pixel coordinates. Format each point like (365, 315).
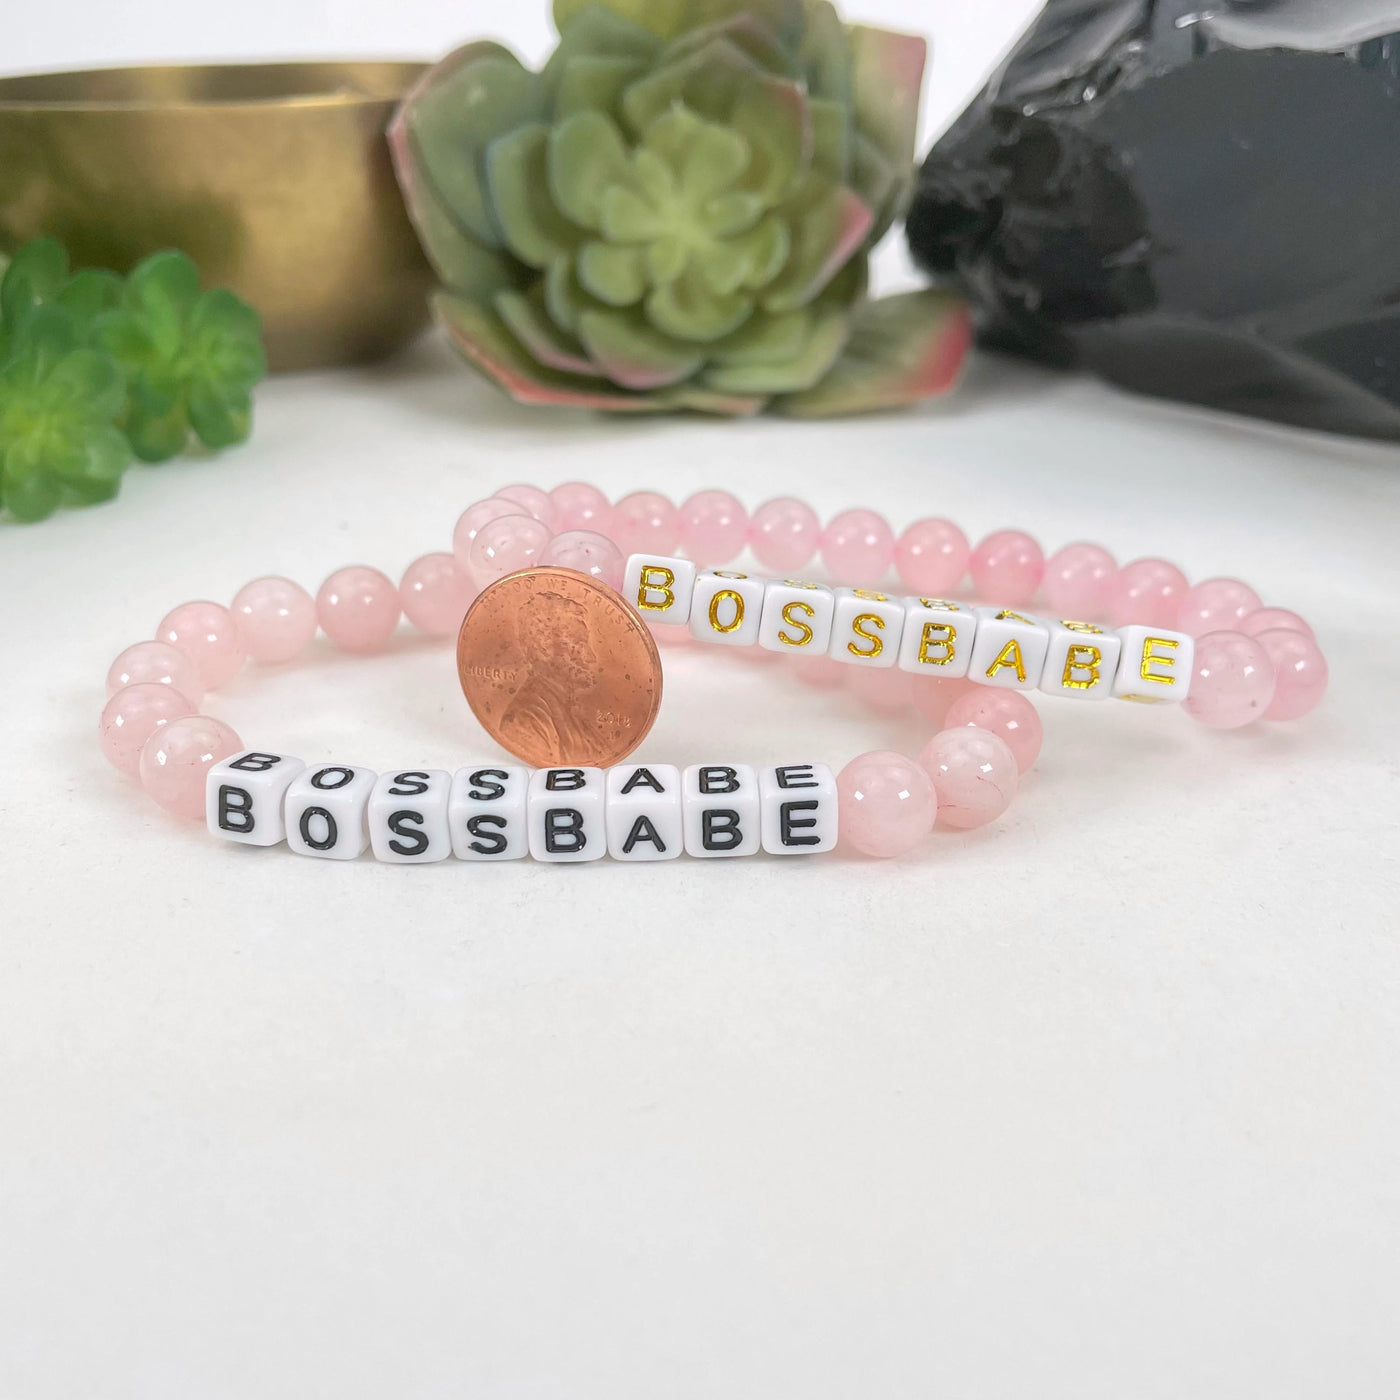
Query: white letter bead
(797, 617)
(566, 814)
(1009, 650)
(243, 797)
(326, 811)
(721, 809)
(867, 628)
(1156, 665)
(659, 587)
(1082, 661)
(799, 809)
(726, 608)
(408, 817)
(938, 638)
(644, 811)
(486, 812)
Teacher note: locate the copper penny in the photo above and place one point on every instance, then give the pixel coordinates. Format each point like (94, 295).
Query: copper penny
(559, 668)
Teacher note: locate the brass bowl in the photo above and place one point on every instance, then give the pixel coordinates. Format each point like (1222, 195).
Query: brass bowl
(274, 177)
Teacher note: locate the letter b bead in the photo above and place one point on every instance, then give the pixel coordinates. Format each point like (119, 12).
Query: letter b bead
(799, 809)
(721, 809)
(659, 587)
(244, 795)
(644, 812)
(326, 811)
(408, 817)
(566, 814)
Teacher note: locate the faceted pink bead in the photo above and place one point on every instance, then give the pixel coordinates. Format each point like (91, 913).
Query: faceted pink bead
(886, 803)
(276, 618)
(1233, 681)
(886, 689)
(714, 525)
(502, 546)
(470, 522)
(1300, 673)
(589, 553)
(131, 716)
(582, 507)
(784, 534)
(208, 634)
(933, 698)
(931, 557)
(820, 672)
(1149, 593)
(534, 502)
(1007, 568)
(358, 608)
(1273, 620)
(1081, 582)
(1005, 713)
(645, 523)
(159, 663)
(974, 775)
(1216, 605)
(857, 547)
(175, 759)
(434, 594)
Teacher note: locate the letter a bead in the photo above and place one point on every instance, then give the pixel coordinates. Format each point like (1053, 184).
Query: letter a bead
(644, 812)
(1010, 649)
(659, 587)
(244, 797)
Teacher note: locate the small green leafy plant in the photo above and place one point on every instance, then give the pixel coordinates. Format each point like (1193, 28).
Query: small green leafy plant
(96, 369)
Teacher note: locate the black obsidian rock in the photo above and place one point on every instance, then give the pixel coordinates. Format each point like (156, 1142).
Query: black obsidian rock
(1196, 200)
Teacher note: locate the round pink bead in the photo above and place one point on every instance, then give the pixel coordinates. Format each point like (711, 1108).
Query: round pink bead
(886, 689)
(1006, 568)
(1273, 620)
(1081, 582)
(1149, 593)
(581, 507)
(886, 803)
(1233, 681)
(502, 546)
(1300, 673)
(820, 672)
(534, 502)
(1005, 713)
(358, 608)
(434, 594)
(590, 553)
(1216, 605)
(175, 759)
(208, 634)
(932, 556)
(276, 619)
(933, 698)
(645, 523)
(131, 716)
(157, 662)
(470, 522)
(784, 534)
(857, 546)
(714, 525)
(974, 775)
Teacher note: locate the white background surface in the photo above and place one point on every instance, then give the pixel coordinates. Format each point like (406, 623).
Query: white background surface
(1096, 1102)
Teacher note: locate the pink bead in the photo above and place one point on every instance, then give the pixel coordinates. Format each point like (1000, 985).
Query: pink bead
(713, 528)
(857, 547)
(502, 546)
(887, 690)
(582, 507)
(1149, 593)
(1300, 673)
(1081, 582)
(784, 534)
(1216, 605)
(933, 698)
(645, 523)
(669, 635)
(159, 663)
(175, 759)
(434, 594)
(974, 775)
(536, 503)
(819, 672)
(358, 608)
(131, 716)
(276, 619)
(208, 634)
(1005, 713)
(1273, 620)
(1006, 568)
(931, 557)
(1233, 681)
(886, 803)
(470, 522)
(589, 553)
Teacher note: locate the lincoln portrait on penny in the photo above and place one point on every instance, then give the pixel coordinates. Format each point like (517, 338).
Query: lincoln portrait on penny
(560, 666)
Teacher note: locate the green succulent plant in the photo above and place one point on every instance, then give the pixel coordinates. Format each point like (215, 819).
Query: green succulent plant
(678, 210)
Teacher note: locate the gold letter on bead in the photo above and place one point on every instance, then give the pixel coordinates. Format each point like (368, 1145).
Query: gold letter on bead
(1082, 627)
(737, 621)
(656, 578)
(788, 609)
(1009, 655)
(930, 639)
(1150, 654)
(859, 628)
(1085, 659)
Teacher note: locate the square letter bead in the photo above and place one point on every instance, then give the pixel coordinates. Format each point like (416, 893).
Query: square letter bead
(644, 812)
(243, 797)
(797, 617)
(486, 812)
(408, 817)
(326, 811)
(867, 629)
(659, 587)
(1156, 665)
(1082, 661)
(721, 809)
(799, 809)
(1009, 649)
(938, 638)
(565, 817)
(726, 608)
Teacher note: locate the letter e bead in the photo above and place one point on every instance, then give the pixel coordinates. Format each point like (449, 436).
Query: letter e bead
(799, 809)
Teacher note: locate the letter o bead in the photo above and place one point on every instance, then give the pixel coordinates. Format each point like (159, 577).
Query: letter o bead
(486, 812)
(726, 608)
(244, 797)
(565, 814)
(408, 817)
(327, 811)
(644, 812)
(798, 803)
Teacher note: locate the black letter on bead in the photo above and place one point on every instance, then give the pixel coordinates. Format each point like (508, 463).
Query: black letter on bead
(787, 776)
(255, 762)
(399, 825)
(787, 823)
(563, 831)
(322, 778)
(564, 779)
(235, 815)
(483, 788)
(642, 777)
(642, 830)
(714, 780)
(491, 843)
(409, 785)
(332, 832)
(719, 829)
